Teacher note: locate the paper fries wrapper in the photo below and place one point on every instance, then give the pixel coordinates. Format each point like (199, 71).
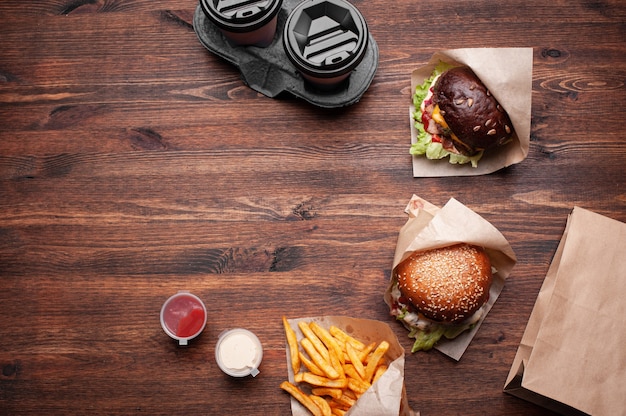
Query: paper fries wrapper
(507, 73)
(572, 356)
(431, 227)
(386, 397)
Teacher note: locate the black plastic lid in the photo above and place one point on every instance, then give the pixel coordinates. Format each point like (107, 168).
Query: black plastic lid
(325, 38)
(240, 15)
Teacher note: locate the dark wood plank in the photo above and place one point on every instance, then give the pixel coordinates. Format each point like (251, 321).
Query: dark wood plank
(134, 164)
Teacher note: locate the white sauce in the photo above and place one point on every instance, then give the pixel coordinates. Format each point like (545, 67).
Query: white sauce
(429, 94)
(239, 353)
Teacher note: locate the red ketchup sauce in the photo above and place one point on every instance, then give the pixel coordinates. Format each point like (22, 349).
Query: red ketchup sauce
(433, 128)
(426, 118)
(184, 315)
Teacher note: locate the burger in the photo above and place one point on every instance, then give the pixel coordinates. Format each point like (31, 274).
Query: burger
(457, 117)
(441, 292)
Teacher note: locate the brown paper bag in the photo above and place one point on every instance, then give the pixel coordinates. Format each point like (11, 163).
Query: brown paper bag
(431, 227)
(507, 73)
(572, 357)
(386, 397)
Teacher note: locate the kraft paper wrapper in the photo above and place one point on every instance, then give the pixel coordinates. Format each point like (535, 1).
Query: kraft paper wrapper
(431, 227)
(386, 397)
(572, 356)
(508, 74)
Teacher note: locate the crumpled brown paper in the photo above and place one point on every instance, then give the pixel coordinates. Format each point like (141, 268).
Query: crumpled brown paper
(572, 356)
(386, 397)
(431, 227)
(507, 73)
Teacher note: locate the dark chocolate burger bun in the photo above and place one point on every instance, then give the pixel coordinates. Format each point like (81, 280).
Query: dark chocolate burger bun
(471, 111)
(447, 284)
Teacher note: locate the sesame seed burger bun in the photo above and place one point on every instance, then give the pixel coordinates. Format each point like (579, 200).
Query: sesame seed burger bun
(448, 284)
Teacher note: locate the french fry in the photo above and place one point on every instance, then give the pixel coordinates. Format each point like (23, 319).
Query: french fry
(327, 391)
(335, 361)
(337, 407)
(328, 340)
(319, 381)
(322, 404)
(355, 360)
(345, 402)
(319, 361)
(339, 368)
(358, 386)
(337, 412)
(350, 394)
(345, 338)
(292, 341)
(373, 360)
(310, 335)
(351, 372)
(379, 372)
(310, 365)
(364, 354)
(302, 397)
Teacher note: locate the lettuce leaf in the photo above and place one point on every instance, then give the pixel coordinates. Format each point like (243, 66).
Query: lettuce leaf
(424, 144)
(421, 91)
(425, 340)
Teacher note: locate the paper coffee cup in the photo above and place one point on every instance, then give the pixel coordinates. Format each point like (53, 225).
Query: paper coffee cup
(244, 22)
(325, 40)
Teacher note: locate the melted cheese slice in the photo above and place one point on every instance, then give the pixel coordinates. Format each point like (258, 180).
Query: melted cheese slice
(439, 120)
(438, 117)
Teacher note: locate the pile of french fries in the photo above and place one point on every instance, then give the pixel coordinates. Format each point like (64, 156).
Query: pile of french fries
(338, 368)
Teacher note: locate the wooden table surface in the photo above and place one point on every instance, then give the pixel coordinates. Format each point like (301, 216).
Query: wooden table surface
(134, 164)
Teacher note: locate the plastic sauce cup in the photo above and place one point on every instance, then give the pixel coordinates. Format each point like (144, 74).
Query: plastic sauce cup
(183, 317)
(239, 353)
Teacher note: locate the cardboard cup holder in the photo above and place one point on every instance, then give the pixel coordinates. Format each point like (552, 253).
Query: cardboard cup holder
(321, 51)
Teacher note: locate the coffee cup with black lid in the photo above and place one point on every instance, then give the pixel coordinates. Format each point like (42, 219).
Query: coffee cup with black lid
(325, 40)
(244, 22)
